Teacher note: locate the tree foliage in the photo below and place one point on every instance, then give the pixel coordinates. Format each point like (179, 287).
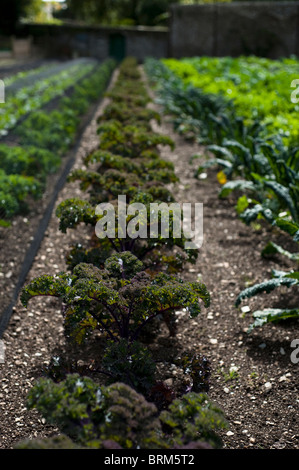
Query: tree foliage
(127, 12)
(13, 10)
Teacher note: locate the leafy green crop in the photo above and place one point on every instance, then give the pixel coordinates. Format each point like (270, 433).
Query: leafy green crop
(242, 109)
(129, 141)
(34, 97)
(259, 88)
(118, 300)
(209, 99)
(280, 278)
(121, 286)
(28, 161)
(92, 415)
(156, 249)
(43, 139)
(14, 191)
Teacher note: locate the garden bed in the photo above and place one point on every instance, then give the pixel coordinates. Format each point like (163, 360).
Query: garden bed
(252, 377)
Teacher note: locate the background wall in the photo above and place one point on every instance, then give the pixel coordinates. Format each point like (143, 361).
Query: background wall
(69, 41)
(269, 29)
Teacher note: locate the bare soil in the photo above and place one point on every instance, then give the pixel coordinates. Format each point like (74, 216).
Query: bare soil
(253, 379)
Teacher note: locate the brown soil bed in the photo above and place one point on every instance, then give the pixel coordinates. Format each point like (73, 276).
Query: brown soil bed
(260, 416)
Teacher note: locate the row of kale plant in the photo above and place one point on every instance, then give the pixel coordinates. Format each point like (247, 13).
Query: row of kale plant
(121, 287)
(256, 164)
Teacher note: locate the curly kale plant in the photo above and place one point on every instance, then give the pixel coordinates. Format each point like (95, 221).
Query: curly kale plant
(191, 418)
(93, 415)
(118, 300)
(155, 248)
(136, 115)
(113, 183)
(130, 141)
(129, 363)
(90, 414)
(147, 168)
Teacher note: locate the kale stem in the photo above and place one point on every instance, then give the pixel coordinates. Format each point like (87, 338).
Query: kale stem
(160, 312)
(107, 331)
(114, 245)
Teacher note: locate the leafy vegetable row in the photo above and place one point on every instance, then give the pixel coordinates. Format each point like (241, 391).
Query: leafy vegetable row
(29, 77)
(125, 289)
(43, 139)
(35, 96)
(263, 167)
(259, 88)
(19, 76)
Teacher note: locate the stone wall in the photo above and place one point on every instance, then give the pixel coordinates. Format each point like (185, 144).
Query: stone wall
(268, 29)
(70, 41)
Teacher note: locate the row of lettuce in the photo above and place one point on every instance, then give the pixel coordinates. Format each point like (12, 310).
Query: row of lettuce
(243, 111)
(128, 290)
(39, 124)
